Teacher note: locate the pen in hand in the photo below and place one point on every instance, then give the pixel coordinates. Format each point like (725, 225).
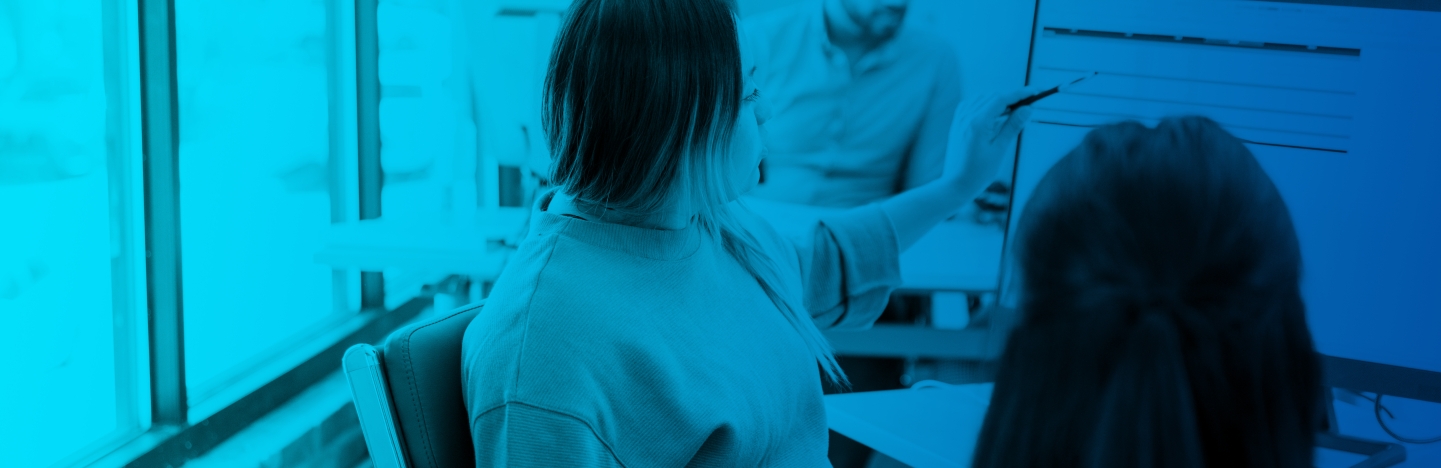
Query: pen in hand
(1043, 94)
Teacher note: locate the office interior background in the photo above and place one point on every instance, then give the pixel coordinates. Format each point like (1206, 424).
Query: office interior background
(181, 183)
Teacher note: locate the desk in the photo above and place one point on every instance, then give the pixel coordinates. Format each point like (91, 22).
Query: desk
(938, 427)
(927, 427)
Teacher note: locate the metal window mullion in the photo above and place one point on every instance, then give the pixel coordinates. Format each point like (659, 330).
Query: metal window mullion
(336, 112)
(119, 28)
(367, 77)
(341, 124)
(160, 133)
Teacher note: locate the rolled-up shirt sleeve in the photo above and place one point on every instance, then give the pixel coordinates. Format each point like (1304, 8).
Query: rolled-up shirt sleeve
(849, 267)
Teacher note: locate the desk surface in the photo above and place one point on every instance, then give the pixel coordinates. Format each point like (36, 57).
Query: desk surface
(928, 427)
(938, 427)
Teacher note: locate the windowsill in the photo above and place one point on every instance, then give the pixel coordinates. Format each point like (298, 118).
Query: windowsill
(272, 365)
(283, 398)
(320, 423)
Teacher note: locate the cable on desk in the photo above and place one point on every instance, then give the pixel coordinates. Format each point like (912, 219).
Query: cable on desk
(1380, 408)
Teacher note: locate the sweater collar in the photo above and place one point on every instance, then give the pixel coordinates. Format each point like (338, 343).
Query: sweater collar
(658, 244)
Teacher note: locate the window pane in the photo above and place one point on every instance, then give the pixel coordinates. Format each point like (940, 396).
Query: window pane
(425, 139)
(255, 182)
(419, 115)
(65, 256)
(459, 114)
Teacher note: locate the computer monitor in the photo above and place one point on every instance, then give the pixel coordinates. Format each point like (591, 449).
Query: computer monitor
(1340, 106)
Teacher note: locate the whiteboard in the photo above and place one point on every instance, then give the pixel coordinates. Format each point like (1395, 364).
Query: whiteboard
(1340, 105)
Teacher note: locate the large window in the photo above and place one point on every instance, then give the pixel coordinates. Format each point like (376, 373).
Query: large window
(259, 185)
(169, 170)
(68, 275)
(459, 112)
(172, 173)
(426, 144)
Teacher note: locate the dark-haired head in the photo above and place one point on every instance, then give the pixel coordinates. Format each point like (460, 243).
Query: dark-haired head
(1162, 320)
(643, 101)
(649, 107)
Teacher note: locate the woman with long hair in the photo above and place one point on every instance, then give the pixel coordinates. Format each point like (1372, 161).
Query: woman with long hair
(1161, 315)
(648, 319)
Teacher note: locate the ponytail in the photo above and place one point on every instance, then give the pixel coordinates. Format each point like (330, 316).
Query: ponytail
(1147, 413)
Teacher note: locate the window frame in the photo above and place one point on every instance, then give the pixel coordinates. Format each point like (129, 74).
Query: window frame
(140, 49)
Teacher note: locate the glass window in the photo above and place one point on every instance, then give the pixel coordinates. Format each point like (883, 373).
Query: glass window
(506, 63)
(422, 131)
(459, 113)
(68, 277)
(257, 184)
(420, 119)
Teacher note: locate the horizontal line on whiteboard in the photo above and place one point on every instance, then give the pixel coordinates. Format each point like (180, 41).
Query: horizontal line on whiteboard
(1202, 41)
(1222, 106)
(1247, 127)
(1194, 80)
(1243, 140)
(1417, 5)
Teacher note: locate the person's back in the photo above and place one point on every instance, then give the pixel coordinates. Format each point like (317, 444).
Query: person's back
(1162, 318)
(576, 363)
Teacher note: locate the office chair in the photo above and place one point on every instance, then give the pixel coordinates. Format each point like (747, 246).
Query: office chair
(408, 394)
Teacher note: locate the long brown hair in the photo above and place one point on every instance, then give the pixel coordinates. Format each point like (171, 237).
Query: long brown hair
(642, 95)
(1162, 320)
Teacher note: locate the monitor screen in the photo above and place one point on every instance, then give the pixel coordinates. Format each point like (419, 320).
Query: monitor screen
(1339, 105)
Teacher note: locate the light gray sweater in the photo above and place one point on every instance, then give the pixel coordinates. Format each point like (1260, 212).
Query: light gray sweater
(611, 345)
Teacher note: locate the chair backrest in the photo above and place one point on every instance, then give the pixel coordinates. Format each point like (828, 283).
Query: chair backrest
(422, 367)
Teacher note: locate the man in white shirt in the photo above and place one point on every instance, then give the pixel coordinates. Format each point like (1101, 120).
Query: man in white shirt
(862, 111)
(862, 106)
